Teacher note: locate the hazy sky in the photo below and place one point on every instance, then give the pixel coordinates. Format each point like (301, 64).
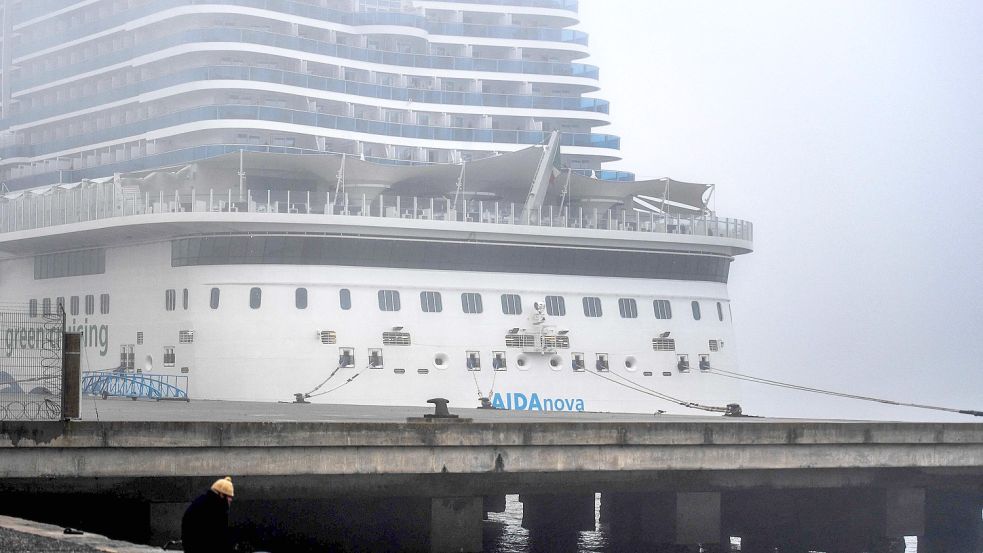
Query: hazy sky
(851, 134)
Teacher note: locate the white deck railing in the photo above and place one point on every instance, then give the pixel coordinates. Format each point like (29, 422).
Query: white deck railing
(95, 201)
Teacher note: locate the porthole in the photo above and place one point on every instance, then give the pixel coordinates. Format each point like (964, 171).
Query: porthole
(440, 360)
(556, 362)
(631, 363)
(522, 362)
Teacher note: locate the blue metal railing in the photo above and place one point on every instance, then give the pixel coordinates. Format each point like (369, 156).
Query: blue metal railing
(135, 385)
(313, 12)
(314, 82)
(37, 8)
(312, 119)
(291, 42)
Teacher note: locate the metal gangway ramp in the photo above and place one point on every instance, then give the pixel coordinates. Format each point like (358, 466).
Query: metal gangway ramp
(135, 385)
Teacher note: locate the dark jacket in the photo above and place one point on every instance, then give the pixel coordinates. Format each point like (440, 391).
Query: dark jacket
(205, 525)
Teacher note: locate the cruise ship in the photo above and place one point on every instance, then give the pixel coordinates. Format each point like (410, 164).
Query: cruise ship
(368, 202)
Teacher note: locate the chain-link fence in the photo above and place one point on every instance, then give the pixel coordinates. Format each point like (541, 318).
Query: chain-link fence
(31, 362)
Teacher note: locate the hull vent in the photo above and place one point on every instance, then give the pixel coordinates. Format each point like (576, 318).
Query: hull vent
(714, 346)
(664, 344)
(519, 340)
(186, 336)
(537, 342)
(328, 337)
(395, 338)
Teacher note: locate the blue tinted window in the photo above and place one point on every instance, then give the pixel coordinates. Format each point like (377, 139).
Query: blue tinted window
(345, 296)
(592, 306)
(696, 310)
(663, 309)
(300, 298)
(213, 299)
(255, 297)
(431, 302)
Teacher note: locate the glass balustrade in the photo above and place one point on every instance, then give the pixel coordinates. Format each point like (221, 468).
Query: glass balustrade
(314, 12)
(35, 8)
(313, 119)
(313, 82)
(306, 45)
(183, 156)
(94, 201)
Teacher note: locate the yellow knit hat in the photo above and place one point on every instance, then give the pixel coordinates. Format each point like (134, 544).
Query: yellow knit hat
(224, 486)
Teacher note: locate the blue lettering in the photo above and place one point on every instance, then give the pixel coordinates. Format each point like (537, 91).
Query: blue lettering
(521, 402)
(497, 401)
(525, 402)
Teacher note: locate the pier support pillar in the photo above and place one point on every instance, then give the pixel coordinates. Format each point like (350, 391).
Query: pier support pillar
(795, 521)
(639, 521)
(953, 523)
(493, 504)
(555, 521)
(660, 520)
(697, 518)
(165, 522)
(904, 512)
(455, 524)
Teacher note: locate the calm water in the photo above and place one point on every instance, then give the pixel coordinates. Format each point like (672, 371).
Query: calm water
(504, 533)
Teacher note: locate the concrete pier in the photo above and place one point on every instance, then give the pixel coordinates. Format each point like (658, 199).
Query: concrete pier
(367, 479)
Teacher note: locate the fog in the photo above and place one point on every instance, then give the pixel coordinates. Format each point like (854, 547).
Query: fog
(851, 135)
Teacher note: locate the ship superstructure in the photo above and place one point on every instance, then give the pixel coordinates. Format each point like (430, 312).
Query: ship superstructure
(352, 252)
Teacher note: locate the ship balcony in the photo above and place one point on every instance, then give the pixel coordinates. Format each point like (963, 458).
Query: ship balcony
(98, 200)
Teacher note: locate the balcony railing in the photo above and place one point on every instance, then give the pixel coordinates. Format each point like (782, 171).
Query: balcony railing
(96, 201)
(313, 12)
(312, 119)
(313, 82)
(307, 45)
(37, 8)
(191, 155)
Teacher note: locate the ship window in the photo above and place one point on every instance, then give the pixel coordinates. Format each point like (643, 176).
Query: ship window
(170, 300)
(592, 306)
(90, 304)
(46, 306)
(556, 306)
(169, 356)
(720, 311)
(74, 303)
(389, 300)
(184, 299)
(300, 298)
(351, 251)
(511, 304)
(60, 306)
(255, 297)
(696, 310)
(77, 263)
(32, 308)
(345, 296)
(104, 304)
(213, 298)
(663, 310)
(471, 302)
(431, 302)
(628, 308)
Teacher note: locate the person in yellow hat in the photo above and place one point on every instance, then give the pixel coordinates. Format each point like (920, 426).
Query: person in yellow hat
(205, 525)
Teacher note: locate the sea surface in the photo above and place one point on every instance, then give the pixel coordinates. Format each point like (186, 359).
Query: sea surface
(503, 533)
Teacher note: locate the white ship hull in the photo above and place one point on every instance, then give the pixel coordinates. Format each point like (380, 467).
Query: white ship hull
(275, 351)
